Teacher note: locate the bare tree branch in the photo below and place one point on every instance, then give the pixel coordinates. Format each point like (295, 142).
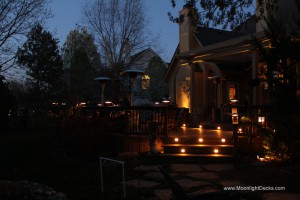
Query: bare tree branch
(17, 18)
(119, 28)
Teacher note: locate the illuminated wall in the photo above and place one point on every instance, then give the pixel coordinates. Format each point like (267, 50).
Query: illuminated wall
(183, 87)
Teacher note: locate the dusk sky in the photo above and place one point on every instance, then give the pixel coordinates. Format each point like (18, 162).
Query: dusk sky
(67, 13)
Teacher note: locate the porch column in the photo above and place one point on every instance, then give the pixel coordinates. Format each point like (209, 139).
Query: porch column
(254, 76)
(192, 88)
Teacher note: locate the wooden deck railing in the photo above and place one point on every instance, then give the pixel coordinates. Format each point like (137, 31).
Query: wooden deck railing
(135, 119)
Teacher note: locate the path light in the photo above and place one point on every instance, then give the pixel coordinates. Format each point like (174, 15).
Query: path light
(240, 130)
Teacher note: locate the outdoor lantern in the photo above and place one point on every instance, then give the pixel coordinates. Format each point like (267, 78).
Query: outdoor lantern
(261, 120)
(234, 112)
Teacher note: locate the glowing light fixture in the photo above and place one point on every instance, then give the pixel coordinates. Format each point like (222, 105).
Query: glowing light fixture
(223, 140)
(200, 139)
(261, 119)
(182, 150)
(216, 150)
(240, 130)
(184, 125)
(200, 126)
(176, 139)
(219, 127)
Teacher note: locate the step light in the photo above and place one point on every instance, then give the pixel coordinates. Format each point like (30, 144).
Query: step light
(223, 140)
(182, 150)
(200, 126)
(219, 127)
(216, 150)
(176, 139)
(200, 139)
(183, 125)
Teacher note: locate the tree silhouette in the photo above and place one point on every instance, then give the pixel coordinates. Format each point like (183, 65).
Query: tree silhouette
(40, 56)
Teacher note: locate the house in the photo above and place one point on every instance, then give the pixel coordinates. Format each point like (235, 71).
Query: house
(152, 80)
(212, 67)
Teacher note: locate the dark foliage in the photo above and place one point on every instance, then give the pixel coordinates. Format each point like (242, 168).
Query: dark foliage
(40, 56)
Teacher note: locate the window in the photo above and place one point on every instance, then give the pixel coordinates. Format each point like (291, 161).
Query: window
(145, 82)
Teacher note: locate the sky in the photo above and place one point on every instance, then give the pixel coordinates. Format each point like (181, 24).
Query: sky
(68, 13)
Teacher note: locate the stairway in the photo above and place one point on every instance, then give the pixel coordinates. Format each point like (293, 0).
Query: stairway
(197, 146)
(211, 144)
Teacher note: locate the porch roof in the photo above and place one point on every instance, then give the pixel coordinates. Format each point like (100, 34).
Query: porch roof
(233, 51)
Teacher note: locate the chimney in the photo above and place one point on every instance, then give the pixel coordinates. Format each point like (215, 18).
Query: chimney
(187, 40)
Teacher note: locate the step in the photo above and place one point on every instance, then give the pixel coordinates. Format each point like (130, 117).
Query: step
(197, 149)
(196, 140)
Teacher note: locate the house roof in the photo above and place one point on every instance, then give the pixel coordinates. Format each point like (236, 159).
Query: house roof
(209, 36)
(139, 54)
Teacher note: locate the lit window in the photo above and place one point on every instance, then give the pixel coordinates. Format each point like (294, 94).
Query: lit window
(145, 82)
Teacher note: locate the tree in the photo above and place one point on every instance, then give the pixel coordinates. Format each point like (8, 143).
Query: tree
(40, 56)
(81, 62)
(6, 103)
(119, 29)
(283, 80)
(225, 13)
(17, 18)
(80, 39)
